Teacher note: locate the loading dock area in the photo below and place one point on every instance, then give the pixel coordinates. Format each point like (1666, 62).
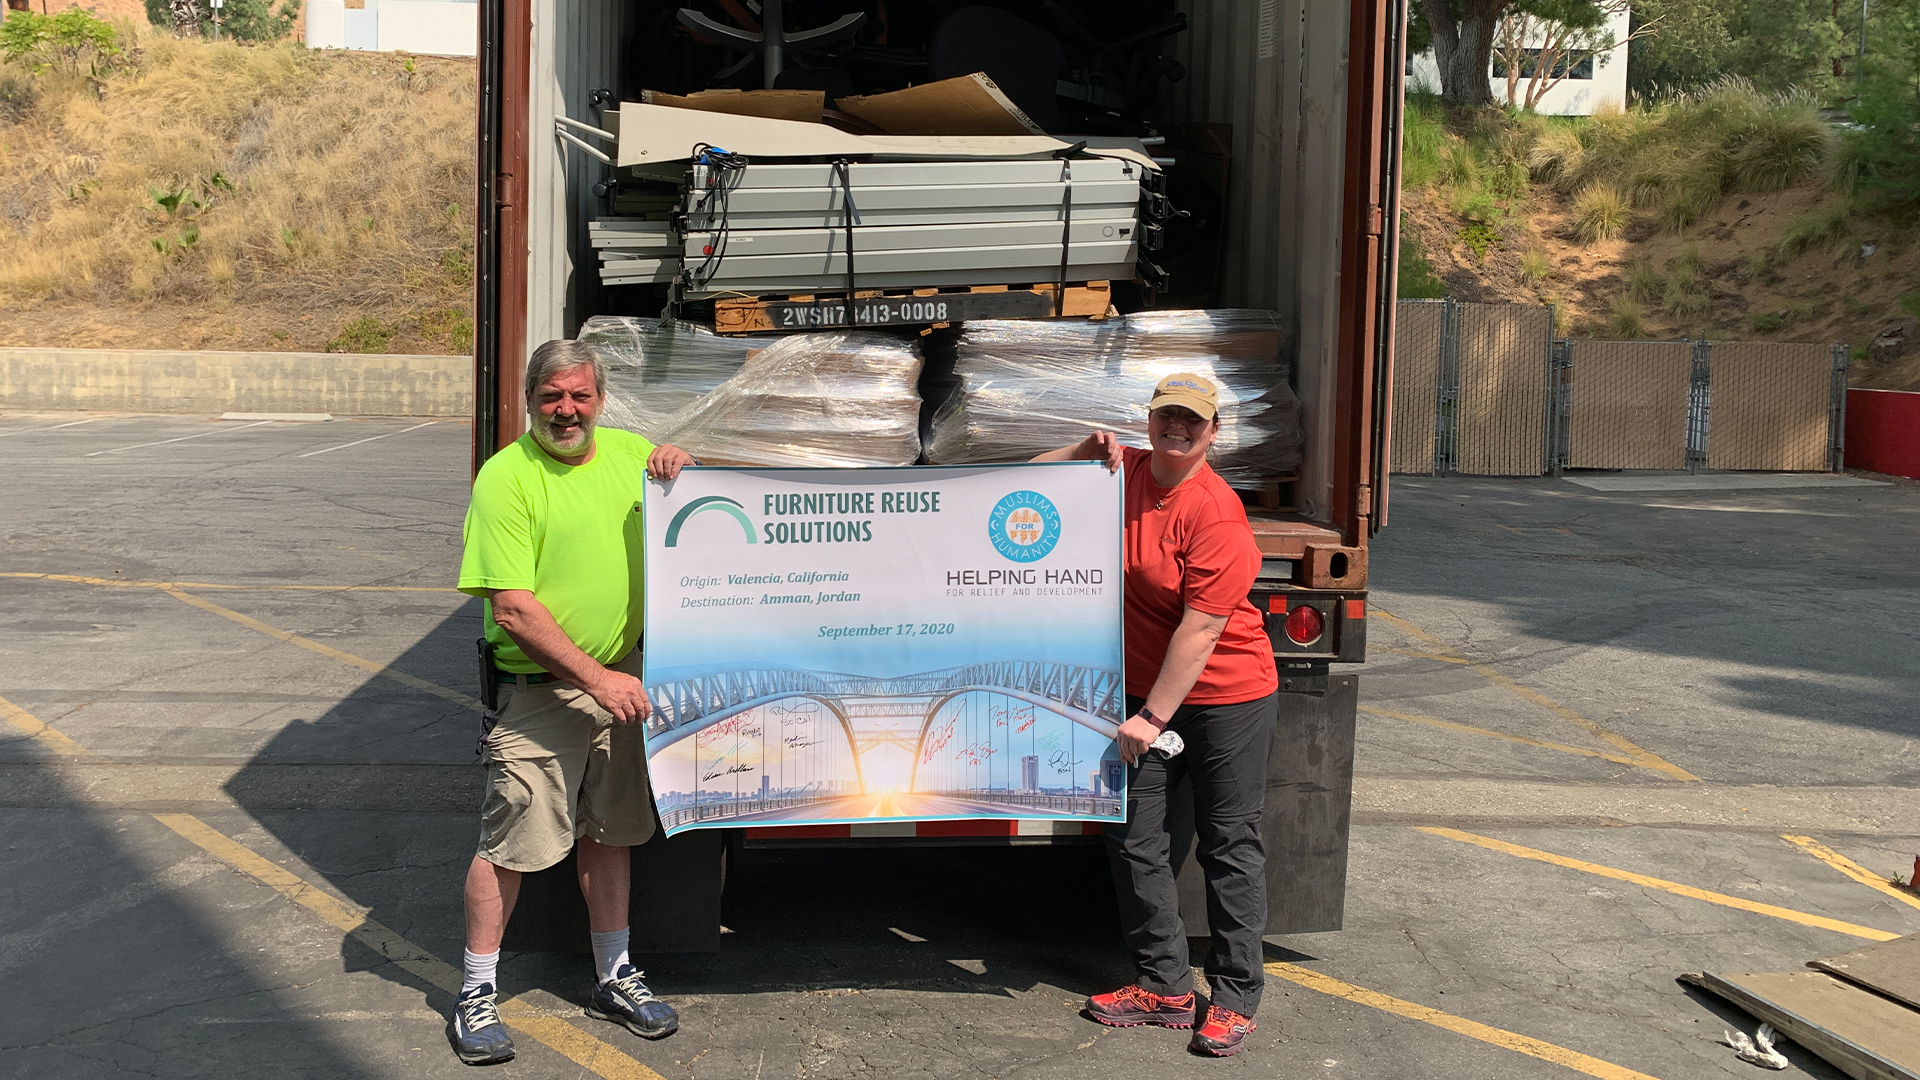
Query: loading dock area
(1606, 737)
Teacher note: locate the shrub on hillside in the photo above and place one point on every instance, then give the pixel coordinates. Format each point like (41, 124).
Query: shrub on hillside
(72, 41)
(1643, 281)
(1556, 153)
(1824, 228)
(1626, 319)
(1783, 144)
(1600, 211)
(1680, 159)
(16, 95)
(1417, 281)
(1689, 291)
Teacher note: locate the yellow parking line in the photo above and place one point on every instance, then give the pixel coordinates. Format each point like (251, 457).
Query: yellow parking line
(1430, 656)
(329, 651)
(1790, 915)
(38, 730)
(583, 1049)
(576, 1045)
(1492, 734)
(1850, 868)
(176, 590)
(1472, 1029)
(1443, 652)
(78, 580)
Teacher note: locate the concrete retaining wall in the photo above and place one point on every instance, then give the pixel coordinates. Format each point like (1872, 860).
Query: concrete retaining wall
(156, 381)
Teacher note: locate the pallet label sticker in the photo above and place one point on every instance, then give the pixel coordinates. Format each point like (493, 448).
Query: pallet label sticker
(830, 646)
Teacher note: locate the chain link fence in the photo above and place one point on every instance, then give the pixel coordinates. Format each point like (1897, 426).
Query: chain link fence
(1770, 406)
(1627, 404)
(1417, 333)
(1490, 392)
(1501, 422)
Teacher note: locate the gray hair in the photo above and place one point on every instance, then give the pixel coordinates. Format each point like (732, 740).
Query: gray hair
(561, 355)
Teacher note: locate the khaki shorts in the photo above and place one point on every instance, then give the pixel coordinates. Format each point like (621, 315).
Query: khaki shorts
(559, 768)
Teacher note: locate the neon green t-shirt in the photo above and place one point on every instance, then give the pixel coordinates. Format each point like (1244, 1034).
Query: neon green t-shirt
(572, 534)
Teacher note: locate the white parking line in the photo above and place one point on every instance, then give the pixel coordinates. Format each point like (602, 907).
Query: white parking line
(357, 442)
(183, 438)
(56, 427)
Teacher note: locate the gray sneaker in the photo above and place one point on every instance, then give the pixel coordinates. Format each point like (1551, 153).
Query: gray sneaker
(476, 1032)
(626, 1000)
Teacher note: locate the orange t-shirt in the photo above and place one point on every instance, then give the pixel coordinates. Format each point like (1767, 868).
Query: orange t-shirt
(1190, 546)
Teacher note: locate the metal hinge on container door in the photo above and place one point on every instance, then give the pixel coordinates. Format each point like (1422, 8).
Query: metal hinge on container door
(502, 190)
(1376, 220)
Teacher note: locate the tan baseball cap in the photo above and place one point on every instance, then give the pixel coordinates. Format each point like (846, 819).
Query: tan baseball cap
(1188, 390)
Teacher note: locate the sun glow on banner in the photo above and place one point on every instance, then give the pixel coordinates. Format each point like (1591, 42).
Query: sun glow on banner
(858, 645)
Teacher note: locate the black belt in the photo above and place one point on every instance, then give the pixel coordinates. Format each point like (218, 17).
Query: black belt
(534, 678)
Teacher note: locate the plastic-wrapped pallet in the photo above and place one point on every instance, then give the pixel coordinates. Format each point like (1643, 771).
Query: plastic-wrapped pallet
(1029, 386)
(833, 399)
(656, 367)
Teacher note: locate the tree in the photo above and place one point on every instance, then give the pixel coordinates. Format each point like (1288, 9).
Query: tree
(241, 20)
(1884, 149)
(1543, 41)
(185, 17)
(1462, 33)
(70, 41)
(1775, 44)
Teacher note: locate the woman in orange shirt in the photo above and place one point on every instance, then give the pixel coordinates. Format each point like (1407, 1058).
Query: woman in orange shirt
(1199, 664)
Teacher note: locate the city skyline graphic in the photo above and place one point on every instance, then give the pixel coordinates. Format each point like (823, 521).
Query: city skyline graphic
(1029, 739)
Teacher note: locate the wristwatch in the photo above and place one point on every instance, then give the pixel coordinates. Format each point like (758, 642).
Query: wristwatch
(1147, 715)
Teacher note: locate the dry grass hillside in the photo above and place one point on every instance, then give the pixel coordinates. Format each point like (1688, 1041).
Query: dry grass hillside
(1716, 218)
(233, 197)
(1759, 285)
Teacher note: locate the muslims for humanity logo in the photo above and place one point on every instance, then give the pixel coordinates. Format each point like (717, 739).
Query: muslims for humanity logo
(1024, 526)
(710, 502)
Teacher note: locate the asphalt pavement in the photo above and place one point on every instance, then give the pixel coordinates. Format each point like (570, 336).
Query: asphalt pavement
(1608, 736)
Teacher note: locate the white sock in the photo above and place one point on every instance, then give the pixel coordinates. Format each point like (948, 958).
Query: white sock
(609, 952)
(480, 968)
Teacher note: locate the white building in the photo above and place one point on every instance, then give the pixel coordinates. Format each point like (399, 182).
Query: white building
(431, 27)
(1602, 77)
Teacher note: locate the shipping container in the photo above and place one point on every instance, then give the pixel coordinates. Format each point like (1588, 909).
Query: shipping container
(1303, 100)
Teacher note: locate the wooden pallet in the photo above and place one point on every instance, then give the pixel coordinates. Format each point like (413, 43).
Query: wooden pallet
(910, 307)
(1270, 495)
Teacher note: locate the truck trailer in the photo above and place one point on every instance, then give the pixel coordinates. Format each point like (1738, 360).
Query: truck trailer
(1295, 106)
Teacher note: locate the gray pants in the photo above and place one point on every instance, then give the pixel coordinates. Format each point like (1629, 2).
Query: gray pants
(1226, 762)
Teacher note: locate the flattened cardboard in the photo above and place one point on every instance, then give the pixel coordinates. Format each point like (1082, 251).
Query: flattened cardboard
(654, 135)
(1862, 1034)
(803, 106)
(967, 105)
(1890, 967)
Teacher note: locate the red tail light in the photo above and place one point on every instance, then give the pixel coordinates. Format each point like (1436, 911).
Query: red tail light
(1305, 625)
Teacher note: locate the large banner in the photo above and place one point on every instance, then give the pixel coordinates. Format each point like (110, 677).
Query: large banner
(861, 645)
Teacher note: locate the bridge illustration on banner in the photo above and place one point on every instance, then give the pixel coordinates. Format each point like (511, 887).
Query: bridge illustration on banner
(1011, 738)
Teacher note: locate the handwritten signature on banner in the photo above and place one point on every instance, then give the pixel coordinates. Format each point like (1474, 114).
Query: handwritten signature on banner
(936, 741)
(1023, 716)
(975, 753)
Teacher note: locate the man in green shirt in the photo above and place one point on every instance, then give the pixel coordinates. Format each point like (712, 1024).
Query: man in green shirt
(555, 544)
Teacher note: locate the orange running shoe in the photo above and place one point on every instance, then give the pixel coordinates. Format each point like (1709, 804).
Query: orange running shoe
(1131, 1006)
(1222, 1034)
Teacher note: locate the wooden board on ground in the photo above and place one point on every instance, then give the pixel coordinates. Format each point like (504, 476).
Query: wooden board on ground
(1862, 1034)
(1890, 967)
(910, 307)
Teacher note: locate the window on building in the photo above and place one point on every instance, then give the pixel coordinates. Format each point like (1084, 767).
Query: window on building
(1530, 62)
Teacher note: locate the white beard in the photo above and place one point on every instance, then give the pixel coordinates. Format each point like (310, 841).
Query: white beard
(537, 427)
